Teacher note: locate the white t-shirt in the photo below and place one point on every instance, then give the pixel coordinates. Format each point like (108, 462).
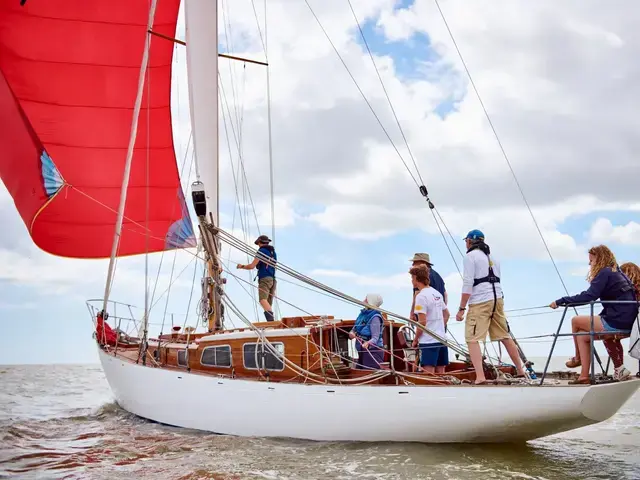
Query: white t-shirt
(476, 265)
(431, 302)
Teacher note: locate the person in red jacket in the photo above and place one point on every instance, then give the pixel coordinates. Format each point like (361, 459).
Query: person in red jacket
(104, 333)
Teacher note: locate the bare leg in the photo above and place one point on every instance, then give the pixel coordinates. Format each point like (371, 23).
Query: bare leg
(265, 305)
(429, 368)
(440, 369)
(510, 345)
(582, 323)
(574, 329)
(584, 347)
(476, 359)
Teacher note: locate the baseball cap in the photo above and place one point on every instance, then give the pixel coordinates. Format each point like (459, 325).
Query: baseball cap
(474, 235)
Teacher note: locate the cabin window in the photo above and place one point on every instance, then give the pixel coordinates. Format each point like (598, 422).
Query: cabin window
(266, 359)
(219, 356)
(182, 358)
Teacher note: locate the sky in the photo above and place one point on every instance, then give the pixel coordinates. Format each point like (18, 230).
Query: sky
(557, 80)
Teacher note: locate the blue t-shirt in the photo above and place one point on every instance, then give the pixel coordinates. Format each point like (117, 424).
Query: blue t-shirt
(436, 281)
(264, 269)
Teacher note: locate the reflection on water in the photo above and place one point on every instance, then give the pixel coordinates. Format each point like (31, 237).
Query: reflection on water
(61, 422)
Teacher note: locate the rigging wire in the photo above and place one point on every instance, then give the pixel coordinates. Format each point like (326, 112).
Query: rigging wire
(193, 283)
(184, 163)
(421, 186)
(127, 169)
(319, 346)
(244, 226)
(147, 207)
(228, 41)
(231, 240)
(393, 111)
(504, 153)
(362, 93)
(222, 93)
(270, 138)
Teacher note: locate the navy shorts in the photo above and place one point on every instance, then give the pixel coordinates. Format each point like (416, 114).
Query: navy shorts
(433, 355)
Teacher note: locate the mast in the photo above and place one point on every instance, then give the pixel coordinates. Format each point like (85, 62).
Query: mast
(201, 22)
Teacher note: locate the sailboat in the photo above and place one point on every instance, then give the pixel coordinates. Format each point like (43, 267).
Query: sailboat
(87, 154)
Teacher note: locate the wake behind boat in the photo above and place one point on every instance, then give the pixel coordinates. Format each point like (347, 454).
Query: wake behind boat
(96, 173)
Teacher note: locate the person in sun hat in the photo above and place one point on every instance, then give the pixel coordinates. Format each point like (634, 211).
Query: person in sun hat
(482, 291)
(435, 281)
(266, 274)
(368, 333)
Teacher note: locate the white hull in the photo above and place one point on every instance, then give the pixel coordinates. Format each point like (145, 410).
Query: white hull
(428, 414)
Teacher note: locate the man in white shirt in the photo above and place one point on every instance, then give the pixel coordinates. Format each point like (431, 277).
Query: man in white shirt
(481, 289)
(429, 308)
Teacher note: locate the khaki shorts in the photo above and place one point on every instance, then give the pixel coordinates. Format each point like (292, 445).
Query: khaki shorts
(479, 322)
(267, 289)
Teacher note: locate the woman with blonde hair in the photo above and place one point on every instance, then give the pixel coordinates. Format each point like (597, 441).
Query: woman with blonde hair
(614, 345)
(607, 283)
(632, 271)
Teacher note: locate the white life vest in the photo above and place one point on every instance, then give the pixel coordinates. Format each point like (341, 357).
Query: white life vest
(634, 339)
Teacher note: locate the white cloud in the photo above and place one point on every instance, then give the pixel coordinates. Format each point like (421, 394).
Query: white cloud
(397, 282)
(542, 75)
(284, 214)
(364, 222)
(604, 231)
(80, 279)
(509, 229)
(51, 275)
(558, 79)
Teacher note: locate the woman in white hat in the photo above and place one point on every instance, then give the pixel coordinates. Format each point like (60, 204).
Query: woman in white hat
(368, 333)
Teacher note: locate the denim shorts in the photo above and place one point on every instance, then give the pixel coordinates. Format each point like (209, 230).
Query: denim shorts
(609, 328)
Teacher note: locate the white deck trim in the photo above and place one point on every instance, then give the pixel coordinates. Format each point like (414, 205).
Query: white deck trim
(269, 333)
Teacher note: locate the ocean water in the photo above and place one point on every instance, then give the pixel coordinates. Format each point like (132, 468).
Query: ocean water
(60, 421)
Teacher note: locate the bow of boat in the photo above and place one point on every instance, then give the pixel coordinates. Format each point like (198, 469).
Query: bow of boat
(601, 402)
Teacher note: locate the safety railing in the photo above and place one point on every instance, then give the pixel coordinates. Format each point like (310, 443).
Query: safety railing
(592, 333)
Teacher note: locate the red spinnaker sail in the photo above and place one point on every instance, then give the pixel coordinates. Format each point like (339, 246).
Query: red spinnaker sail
(69, 74)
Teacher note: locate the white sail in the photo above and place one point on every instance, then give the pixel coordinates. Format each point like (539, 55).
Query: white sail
(201, 21)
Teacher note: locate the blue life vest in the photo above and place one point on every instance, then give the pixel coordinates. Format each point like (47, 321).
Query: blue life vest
(362, 327)
(264, 269)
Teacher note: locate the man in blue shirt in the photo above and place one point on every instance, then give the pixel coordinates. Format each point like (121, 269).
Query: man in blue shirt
(266, 274)
(435, 281)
